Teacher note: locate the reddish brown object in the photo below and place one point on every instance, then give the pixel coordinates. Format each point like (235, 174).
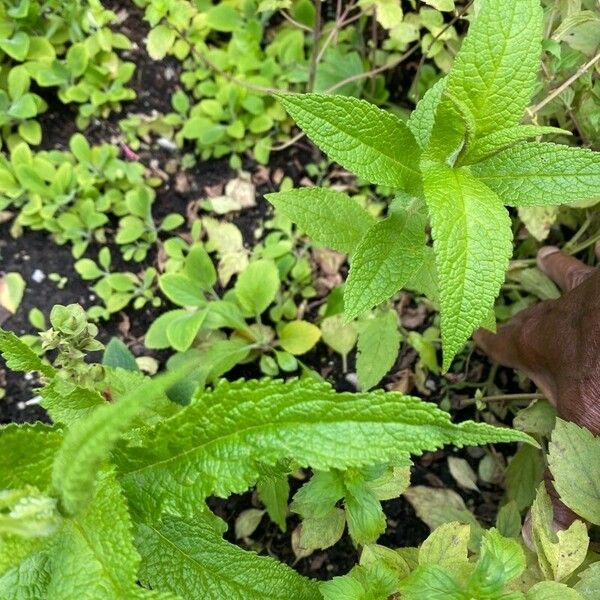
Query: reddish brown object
(557, 344)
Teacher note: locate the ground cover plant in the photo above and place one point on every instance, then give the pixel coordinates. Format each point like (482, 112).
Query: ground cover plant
(209, 394)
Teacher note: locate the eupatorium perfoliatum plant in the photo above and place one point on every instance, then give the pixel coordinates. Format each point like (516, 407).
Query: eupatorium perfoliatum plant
(108, 502)
(461, 158)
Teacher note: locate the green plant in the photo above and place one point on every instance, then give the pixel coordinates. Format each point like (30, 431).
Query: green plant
(460, 158)
(60, 44)
(119, 482)
(117, 290)
(200, 323)
(72, 195)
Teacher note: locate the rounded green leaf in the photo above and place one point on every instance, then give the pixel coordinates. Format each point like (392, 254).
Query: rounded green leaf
(257, 286)
(298, 337)
(160, 41)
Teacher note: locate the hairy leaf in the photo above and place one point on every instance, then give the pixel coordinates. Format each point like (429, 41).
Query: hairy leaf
(191, 558)
(484, 147)
(210, 446)
(67, 404)
(421, 119)
(88, 442)
(20, 357)
(372, 143)
(495, 71)
(537, 173)
(26, 455)
(330, 218)
(472, 237)
(386, 259)
(378, 344)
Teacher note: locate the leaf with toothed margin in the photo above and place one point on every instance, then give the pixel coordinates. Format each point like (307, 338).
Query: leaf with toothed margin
(20, 357)
(472, 241)
(371, 142)
(538, 173)
(190, 557)
(330, 218)
(495, 71)
(386, 259)
(212, 446)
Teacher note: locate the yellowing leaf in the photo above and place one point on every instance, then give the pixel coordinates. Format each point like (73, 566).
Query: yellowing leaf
(12, 287)
(577, 479)
(298, 337)
(559, 554)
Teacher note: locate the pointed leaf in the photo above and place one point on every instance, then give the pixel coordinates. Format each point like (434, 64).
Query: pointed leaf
(577, 481)
(378, 344)
(330, 218)
(20, 357)
(191, 558)
(372, 143)
(386, 259)
(495, 71)
(210, 447)
(472, 236)
(536, 173)
(88, 443)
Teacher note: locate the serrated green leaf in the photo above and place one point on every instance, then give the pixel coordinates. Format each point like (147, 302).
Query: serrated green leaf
(537, 173)
(220, 435)
(577, 481)
(500, 561)
(484, 147)
(66, 404)
(495, 71)
(372, 143)
(26, 455)
(27, 580)
(421, 119)
(274, 492)
(99, 539)
(330, 218)
(386, 259)
(378, 344)
(472, 236)
(431, 582)
(88, 443)
(364, 515)
(20, 357)
(192, 559)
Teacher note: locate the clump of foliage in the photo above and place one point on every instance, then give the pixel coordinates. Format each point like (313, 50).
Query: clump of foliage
(118, 482)
(72, 195)
(234, 54)
(461, 157)
(58, 44)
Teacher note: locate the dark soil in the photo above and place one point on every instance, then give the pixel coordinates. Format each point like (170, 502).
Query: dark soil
(35, 253)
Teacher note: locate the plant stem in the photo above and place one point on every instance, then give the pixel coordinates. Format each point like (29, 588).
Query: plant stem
(561, 88)
(312, 73)
(503, 398)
